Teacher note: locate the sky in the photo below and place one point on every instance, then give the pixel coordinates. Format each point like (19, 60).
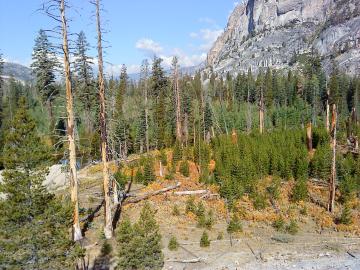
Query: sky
(134, 29)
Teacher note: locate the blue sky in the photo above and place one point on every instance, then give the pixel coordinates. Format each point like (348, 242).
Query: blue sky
(136, 29)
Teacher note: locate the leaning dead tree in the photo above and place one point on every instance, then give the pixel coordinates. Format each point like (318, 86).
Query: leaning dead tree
(108, 229)
(332, 184)
(177, 98)
(70, 125)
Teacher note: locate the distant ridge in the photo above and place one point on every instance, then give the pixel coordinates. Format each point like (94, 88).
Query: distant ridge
(18, 72)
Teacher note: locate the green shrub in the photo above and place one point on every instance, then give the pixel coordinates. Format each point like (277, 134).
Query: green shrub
(259, 201)
(169, 176)
(175, 211)
(274, 189)
(300, 191)
(184, 168)
(209, 220)
(204, 241)
(149, 175)
(139, 245)
(345, 217)
(200, 214)
(234, 225)
(348, 188)
(173, 243)
(320, 165)
(303, 211)
(200, 209)
(106, 249)
(292, 228)
(279, 224)
(139, 176)
(163, 158)
(190, 205)
(177, 153)
(120, 178)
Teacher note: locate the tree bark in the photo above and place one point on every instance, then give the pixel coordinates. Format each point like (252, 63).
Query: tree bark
(146, 71)
(332, 185)
(108, 230)
(70, 128)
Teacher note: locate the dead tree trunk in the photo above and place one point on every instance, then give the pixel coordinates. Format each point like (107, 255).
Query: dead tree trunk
(108, 230)
(70, 127)
(309, 137)
(177, 99)
(248, 116)
(146, 112)
(332, 185)
(261, 113)
(327, 120)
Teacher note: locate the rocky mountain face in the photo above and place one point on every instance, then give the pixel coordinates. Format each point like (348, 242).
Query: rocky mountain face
(18, 72)
(275, 33)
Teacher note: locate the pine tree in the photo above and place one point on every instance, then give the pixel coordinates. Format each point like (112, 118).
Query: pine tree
(34, 223)
(158, 92)
(86, 91)
(43, 66)
(204, 241)
(149, 175)
(139, 245)
(120, 95)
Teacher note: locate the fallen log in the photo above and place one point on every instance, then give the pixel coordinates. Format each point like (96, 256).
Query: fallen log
(197, 260)
(317, 201)
(190, 192)
(209, 196)
(150, 194)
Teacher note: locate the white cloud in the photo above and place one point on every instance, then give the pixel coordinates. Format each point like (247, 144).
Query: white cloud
(114, 70)
(207, 36)
(149, 46)
(185, 60)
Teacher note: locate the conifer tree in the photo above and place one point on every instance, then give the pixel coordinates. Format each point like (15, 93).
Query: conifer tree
(85, 91)
(121, 132)
(139, 245)
(33, 223)
(43, 66)
(158, 91)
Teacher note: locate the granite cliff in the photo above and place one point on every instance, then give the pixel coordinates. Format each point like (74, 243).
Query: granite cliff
(274, 33)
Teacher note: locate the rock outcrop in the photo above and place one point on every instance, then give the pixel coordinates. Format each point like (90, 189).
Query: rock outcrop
(274, 33)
